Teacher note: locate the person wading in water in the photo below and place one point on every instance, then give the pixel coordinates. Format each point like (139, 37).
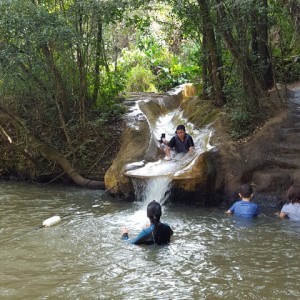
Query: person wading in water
(156, 233)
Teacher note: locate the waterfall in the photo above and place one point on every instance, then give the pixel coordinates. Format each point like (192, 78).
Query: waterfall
(153, 180)
(154, 188)
(146, 190)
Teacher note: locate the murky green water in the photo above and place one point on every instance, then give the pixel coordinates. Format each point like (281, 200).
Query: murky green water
(211, 256)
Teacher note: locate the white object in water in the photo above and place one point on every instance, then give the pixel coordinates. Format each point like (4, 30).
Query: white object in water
(52, 221)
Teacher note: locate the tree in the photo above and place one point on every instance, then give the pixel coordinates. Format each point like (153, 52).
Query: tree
(293, 8)
(211, 48)
(49, 52)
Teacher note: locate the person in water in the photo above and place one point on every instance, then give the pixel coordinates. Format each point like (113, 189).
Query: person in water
(181, 142)
(156, 233)
(291, 209)
(244, 207)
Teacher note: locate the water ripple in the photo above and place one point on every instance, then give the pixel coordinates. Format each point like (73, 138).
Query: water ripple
(211, 256)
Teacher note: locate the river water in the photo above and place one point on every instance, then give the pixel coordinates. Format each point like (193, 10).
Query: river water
(211, 256)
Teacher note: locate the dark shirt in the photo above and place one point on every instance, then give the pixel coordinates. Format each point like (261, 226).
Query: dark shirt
(146, 236)
(181, 146)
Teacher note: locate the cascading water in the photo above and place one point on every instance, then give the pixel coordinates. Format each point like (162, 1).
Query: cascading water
(155, 188)
(153, 181)
(146, 190)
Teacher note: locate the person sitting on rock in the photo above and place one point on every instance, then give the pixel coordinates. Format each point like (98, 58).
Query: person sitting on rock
(291, 209)
(156, 233)
(243, 207)
(181, 142)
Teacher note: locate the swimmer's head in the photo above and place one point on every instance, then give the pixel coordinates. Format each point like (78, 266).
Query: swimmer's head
(246, 191)
(293, 193)
(154, 212)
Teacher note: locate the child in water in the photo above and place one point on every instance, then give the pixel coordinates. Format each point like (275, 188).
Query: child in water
(244, 208)
(156, 233)
(291, 209)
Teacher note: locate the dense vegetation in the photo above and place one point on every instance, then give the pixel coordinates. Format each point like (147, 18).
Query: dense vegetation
(65, 66)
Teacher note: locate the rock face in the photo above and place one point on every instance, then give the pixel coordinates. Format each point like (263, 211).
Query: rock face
(137, 142)
(269, 159)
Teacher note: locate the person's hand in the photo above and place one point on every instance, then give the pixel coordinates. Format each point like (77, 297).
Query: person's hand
(124, 230)
(191, 150)
(147, 225)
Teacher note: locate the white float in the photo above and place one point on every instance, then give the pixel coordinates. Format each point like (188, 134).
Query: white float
(52, 221)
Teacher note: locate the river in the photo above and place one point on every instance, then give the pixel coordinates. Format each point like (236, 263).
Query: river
(211, 256)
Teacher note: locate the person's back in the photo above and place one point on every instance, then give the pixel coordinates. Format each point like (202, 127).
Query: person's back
(292, 208)
(292, 211)
(243, 207)
(156, 233)
(163, 235)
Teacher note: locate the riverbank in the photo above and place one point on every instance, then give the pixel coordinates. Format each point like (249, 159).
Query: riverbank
(268, 159)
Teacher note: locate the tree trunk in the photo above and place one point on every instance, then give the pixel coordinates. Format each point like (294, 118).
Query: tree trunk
(251, 84)
(82, 73)
(205, 66)
(56, 157)
(60, 91)
(47, 151)
(60, 94)
(260, 45)
(216, 74)
(293, 8)
(97, 61)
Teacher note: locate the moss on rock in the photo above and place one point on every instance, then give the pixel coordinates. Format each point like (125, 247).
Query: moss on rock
(200, 112)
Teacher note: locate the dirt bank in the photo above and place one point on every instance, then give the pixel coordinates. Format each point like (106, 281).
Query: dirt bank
(269, 159)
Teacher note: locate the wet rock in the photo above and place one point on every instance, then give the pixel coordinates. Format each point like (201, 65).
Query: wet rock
(269, 159)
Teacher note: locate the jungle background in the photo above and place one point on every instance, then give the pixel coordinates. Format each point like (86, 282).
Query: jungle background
(66, 67)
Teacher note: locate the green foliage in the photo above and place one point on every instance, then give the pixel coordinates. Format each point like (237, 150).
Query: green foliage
(132, 58)
(177, 74)
(242, 123)
(242, 119)
(140, 80)
(106, 102)
(167, 69)
(287, 69)
(155, 47)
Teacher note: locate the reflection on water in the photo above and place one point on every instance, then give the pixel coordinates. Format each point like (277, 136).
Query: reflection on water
(211, 256)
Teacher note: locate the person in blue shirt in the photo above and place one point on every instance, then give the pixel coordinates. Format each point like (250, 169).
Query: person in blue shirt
(156, 233)
(243, 207)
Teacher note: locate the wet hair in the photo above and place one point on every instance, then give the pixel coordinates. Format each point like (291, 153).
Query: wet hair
(180, 127)
(162, 232)
(154, 212)
(246, 190)
(293, 193)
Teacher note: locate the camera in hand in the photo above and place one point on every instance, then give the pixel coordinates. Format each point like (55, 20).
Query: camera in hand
(163, 136)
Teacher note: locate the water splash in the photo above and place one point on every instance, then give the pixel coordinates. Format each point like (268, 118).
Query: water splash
(153, 180)
(154, 188)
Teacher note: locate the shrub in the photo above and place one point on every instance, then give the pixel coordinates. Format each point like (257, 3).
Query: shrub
(140, 80)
